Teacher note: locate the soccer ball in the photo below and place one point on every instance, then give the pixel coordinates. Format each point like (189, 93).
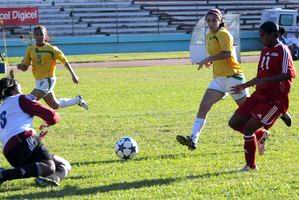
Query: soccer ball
(126, 148)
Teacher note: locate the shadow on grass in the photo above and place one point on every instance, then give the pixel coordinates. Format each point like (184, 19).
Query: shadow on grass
(160, 157)
(70, 191)
(167, 156)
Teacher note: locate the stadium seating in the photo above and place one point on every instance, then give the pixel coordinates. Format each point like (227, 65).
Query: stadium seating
(186, 13)
(81, 17)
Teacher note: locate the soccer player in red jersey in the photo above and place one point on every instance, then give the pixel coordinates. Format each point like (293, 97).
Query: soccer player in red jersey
(21, 146)
(275, 73)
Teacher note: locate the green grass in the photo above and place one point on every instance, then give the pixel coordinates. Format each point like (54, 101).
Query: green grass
(128, 56)
(153, 105)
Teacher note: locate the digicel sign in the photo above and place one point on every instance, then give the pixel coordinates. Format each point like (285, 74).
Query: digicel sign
(19, 16)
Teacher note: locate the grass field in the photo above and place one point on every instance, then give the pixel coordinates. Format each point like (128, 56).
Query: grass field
(129, 56)
(153, 105)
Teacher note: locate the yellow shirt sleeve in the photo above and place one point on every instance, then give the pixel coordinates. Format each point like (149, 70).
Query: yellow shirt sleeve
(27, 58)
(58, 55)
(225, 41)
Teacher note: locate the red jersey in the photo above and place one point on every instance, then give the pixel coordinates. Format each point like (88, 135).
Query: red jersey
(274, 61)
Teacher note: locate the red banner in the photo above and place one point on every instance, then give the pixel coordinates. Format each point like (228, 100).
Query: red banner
(19, 16)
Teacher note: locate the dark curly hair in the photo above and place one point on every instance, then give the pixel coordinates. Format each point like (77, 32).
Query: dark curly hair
(7, 85)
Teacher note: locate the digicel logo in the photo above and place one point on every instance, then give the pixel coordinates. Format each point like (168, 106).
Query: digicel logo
(20, 15)
(24, 15)
(5, 15)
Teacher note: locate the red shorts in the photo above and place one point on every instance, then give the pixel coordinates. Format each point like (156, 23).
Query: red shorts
(263, 111)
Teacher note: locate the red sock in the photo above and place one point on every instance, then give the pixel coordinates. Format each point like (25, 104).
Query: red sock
(250, 149)
(259, 133)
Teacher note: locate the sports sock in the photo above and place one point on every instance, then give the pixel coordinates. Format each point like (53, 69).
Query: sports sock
(65, 102)
(249, 150)
(30, 170)
(197, 128)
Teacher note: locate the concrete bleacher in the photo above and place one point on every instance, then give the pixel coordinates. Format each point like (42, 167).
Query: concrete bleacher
(94, 17)
(185, 14)
(81, 17)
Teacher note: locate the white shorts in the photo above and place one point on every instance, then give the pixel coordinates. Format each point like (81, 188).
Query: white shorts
(224, 84)
(46, 85)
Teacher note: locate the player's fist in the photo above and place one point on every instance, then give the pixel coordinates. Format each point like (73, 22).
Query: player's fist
(22, 67)
(75, 79)
(237, 88)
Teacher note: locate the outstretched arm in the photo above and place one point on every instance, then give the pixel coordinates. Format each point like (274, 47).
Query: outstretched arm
(73, 74)
(256, 81)
(34, 108)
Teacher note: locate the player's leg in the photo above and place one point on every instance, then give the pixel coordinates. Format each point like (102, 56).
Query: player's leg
(210, 97)
(261, 135)
(55, 103)
(250, 143)
(286, 118)
(27, 159)
(63, 168)
(37, 94)
(264, 116)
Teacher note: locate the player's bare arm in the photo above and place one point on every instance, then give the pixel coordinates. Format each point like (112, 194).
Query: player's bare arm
(73, 74)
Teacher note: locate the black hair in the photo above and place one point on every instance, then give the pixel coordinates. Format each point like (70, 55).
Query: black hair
(281, 30)
(270, 27)
(7, 85)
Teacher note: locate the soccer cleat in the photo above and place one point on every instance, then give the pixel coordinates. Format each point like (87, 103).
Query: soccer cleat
(186, 141)
(286, 118)
(82, 103)
(45, 182)
(246, 168)
(261, 142)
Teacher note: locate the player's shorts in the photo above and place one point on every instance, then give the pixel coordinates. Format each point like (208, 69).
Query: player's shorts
(224, 84)
(263, 111)
(23, 149)
(46, 85)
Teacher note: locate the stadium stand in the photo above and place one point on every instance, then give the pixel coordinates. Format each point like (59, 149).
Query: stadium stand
(185, 14)
(82, 17)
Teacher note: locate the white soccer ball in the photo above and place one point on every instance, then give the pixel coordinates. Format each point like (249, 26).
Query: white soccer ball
(126, 148)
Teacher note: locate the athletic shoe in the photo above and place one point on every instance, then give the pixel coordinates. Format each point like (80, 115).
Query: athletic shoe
(82, 103)
(186, 141)
(45, 182)
(261, 142)
(246, 168)
(286, 118)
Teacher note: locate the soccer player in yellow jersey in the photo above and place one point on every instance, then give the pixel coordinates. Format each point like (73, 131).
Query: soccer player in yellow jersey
(227, 73)
(42, 57)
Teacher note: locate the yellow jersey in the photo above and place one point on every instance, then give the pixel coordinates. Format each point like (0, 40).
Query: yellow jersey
(217, 42)
(43, 60)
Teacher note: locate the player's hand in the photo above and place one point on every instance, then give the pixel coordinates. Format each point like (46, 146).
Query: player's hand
(237, 88)
(75, 79)
(43, 126)
(22, 67)
(206, 62)
(209, 64)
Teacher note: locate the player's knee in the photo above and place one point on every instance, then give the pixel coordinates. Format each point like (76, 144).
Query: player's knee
(55, 106)
(50, 169)
(67, 166)
(233, 123)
